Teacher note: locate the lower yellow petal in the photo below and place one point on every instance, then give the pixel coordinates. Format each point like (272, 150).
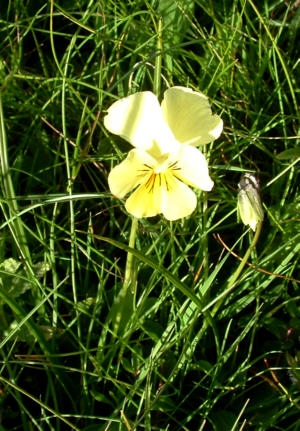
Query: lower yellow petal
(178, 202)
(142, 203)
(174, 200)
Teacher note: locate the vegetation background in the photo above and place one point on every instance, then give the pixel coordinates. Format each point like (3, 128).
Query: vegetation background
(173, 363)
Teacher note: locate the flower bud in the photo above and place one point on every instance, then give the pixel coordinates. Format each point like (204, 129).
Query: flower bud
(249, 202)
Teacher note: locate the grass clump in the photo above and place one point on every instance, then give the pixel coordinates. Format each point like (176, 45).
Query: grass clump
(201, 344)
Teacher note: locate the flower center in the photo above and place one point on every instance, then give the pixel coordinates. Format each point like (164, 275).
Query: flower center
(163, 176)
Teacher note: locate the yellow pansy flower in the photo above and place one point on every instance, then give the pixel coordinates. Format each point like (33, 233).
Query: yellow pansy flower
(165, 160)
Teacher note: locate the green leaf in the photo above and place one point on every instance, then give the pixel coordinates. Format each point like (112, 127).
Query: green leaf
(175, 19)
(153, 329)
(289, 154)
(13, 276)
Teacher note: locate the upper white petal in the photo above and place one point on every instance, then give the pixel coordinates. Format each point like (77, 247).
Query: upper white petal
(189, 116)
(138, 119)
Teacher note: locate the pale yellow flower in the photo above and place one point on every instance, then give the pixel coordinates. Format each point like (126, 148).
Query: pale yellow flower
(165, 161)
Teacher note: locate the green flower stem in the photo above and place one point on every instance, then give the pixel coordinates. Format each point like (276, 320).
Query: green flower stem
(209, 315)
(204, 241)
(233, 279)
(125, 300)
(157, 70)
(243, 262)
(130, 269)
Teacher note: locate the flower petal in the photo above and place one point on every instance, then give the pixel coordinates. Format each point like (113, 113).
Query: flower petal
(144, 204)
(193, 168)
(130, 173)
(179, 202)
(189, 116)
(138, 119)
(173, 202)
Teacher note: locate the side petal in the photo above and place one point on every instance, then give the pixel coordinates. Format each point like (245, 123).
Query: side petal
(189, 116)
(192, 168)
(139, 120)
(130, 173)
